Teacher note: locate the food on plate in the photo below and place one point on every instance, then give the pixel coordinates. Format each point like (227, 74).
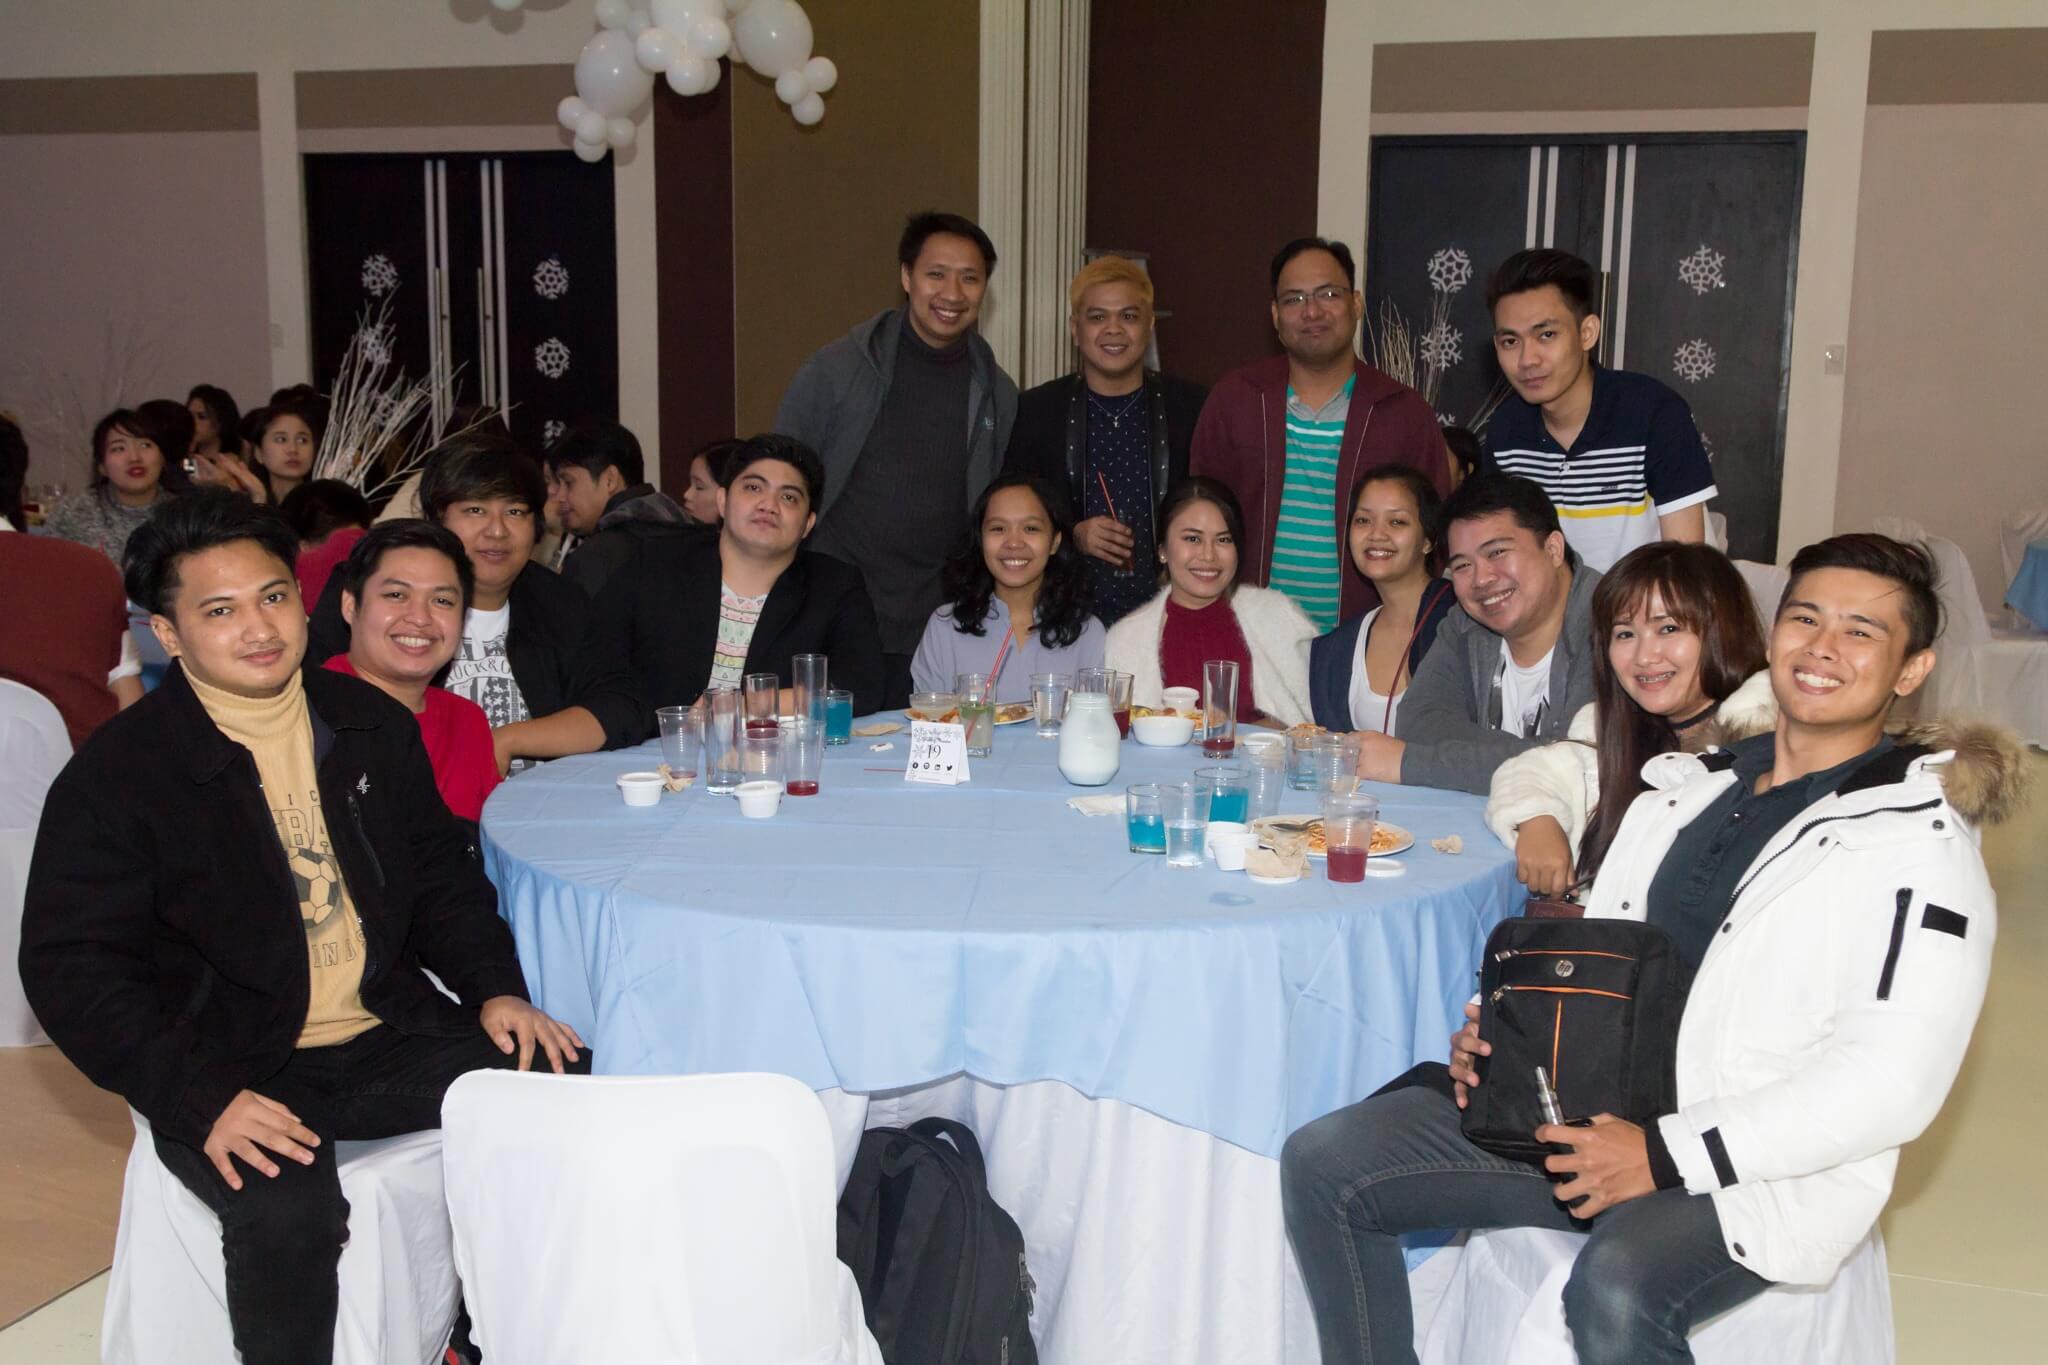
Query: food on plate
(1012, 712)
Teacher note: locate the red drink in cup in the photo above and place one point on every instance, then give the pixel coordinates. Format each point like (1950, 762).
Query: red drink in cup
(799, 786)
(1123, 723)
(1349, 818)
(1344, 864)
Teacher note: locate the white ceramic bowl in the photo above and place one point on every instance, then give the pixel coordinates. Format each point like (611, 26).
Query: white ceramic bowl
(640, 789)
(759, 800)
(1181, 699)
(1163, 732)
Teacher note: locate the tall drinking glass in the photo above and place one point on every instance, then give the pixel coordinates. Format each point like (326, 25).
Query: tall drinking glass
(724, 716)
(1120, 702)
(977, 712)
(838, 716)
(1219, 707)
(761, 690)
(1348, 821)
(1336, 764)
(807, 681)
(1142, 821)
(1184, 809)
(1093, 679)
(803, 755)
(1265, 775)
(682, 738)
(761, 756)
(1229, 793)
(1301, 757)
(1049, 701)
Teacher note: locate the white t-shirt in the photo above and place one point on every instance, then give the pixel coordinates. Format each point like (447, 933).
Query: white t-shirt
(481, 673)
(1523, 691)
(1370, 710)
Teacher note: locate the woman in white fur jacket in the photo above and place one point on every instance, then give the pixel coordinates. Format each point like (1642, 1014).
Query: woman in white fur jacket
(1685, 655)
(1204, 614)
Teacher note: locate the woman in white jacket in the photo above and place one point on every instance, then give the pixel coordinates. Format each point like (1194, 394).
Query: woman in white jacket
(1684, 651)
(1203, 613)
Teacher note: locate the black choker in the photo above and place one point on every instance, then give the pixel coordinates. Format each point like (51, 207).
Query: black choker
(1695, 720)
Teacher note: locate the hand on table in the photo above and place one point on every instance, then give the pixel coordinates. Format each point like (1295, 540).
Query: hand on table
(1543, 857)
(1466, 1048)
(1107, 539)
(1609, 1163)
(1379, 756)
(249, 1124)
(508, 1018)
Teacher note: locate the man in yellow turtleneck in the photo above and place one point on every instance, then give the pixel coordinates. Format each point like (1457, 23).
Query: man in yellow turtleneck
(235, 887)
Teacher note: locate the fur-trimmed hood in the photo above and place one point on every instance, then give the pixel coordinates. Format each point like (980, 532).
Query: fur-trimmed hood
(1986, 778)
(1750, 710)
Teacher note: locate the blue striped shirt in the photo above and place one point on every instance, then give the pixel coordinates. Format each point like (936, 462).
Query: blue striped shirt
(1307, 562)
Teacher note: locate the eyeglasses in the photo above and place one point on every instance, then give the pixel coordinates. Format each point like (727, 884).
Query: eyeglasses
(1328, 295)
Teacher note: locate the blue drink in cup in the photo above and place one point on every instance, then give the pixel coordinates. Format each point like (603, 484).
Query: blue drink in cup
(838, 716)
(1229, 792)
(1142, 820)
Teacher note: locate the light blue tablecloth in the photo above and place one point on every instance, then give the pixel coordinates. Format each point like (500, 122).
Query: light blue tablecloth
(2028, 594)
(882, 935)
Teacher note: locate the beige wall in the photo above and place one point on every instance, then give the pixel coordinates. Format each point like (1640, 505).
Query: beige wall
(1944, 377)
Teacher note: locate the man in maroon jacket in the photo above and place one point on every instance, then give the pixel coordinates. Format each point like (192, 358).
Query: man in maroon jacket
(1291, 434)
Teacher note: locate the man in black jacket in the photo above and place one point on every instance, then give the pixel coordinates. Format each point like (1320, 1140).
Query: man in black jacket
(598, 479)
(235, 886)
(690, 612)
(1115, 436)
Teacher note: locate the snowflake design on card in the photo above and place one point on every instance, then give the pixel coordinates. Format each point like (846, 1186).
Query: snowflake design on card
(1441, 347)
(376, 345)
(551, 430)
(1702, 269)
(1694, 361)
(551, 358)
(380, 277)
(551, 278)
(1449, 270)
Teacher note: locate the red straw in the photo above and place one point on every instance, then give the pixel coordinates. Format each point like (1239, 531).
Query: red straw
(1107, 501)
(996, 669)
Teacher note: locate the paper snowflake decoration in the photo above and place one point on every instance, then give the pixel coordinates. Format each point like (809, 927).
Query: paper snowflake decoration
(1706, 444)
(551, 430)
(1694, 361)
(1449, 270)
(1702, 269)
(1442, 346)
(376, 344)
(380, 277)
(551, 358)
(551, 279)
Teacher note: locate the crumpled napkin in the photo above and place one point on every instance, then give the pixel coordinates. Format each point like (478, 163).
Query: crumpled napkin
(1097, 805)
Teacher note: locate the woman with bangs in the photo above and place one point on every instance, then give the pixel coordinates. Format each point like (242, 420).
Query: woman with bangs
(1685, 670)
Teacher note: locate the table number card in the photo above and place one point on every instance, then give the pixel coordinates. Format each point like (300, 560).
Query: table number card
(938, 754)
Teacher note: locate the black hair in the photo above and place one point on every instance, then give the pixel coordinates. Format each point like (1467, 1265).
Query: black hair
(1909, 566)
(298, 401)
(1464, 448)
(717, 456)
(404, 533)
(1302, 244)
(13, 472)
(595, 445)
(1063, 594)
(775, 446)
(1539, 266)
(475, 465)
(1428, 505)
(1489, 492)
(317, 508)
(199, 521)
(163, 423)
(922, 227)
(226, 416)
(1200, 488)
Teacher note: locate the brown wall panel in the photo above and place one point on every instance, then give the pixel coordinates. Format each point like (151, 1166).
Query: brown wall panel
(1697, 71)
(224, 103)
(1202, 151)
(693, 250)
(433, 97)
(1959, 66)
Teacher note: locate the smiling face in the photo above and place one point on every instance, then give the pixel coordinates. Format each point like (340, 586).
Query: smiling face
(701, 499)
(1200, 554)
(1657, 659)
(1541, 347)
(1017, 538)
(1112, 331)
(945, 286)
(133, 465)
(1315, 309)
(236, 622)
(1840, 650)
(767, 511)
(1386, 536)
(409, 621)
(498, 534)
(1506, 579)
(287, 449)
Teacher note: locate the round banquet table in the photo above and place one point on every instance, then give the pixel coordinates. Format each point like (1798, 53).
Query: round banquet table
(1132, 1042)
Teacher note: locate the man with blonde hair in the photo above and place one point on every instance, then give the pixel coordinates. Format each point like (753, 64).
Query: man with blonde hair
(1114, 435)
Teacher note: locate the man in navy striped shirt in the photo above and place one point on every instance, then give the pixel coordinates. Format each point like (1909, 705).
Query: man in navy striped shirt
(1617, 452)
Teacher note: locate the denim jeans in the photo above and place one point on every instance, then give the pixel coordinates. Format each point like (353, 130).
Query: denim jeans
(281, 1237)
(1353, 1181)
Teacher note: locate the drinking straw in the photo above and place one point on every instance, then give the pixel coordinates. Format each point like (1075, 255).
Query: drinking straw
(996, 669)
(1107, 501)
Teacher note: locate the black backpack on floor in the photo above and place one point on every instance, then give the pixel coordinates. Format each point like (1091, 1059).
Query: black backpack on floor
(939, 1263)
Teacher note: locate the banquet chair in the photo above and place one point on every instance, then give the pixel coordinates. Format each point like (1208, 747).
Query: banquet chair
(1982, 671)
(2017, 531)
(34, 747)
(167, 1293)
(673, 1218)
(1502, 1304)
(1766, 584)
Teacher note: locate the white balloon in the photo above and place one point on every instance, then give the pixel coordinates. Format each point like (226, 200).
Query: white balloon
(715, 70)
(637, 23)
(690, 75)
(613, 13)
(735, 6)
(821, 74)
(773, 35)
(570, 112)
(790, 87)
(710, 37)
(678, 15)
(619, 132)
(591, 151)
(590, 128)
(508, 5)
(655, 49)
(808, 110)
(609, 76)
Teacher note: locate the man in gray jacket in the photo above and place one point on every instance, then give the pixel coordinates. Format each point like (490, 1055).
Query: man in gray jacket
(1513, 663)
(911, 415)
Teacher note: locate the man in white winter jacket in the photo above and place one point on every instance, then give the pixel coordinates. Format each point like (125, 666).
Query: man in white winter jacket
(1825, 884)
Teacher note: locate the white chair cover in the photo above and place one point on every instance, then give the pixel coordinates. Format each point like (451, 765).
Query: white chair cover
(1766, 583)
(1503, 1305)
(167, 1295)
(1984, 671)
(34, 747)
(2015, 533)
(680, 1219)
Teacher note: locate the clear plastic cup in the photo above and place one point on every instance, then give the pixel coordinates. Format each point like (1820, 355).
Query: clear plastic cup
(803, 755)
(1336, 764)
(1229, 792)
(1219, 708)
(762, 690)
(1049, 701)
(760, 753)
(682, 738)
(1348, 822)
(723, 726)
(1184, 809)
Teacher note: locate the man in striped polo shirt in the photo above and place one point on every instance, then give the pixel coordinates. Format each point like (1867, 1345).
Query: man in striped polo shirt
(1290, 435)
(1617, 452)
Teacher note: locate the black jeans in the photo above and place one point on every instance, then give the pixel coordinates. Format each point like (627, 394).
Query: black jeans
(1353, 1181)
(282, 1237)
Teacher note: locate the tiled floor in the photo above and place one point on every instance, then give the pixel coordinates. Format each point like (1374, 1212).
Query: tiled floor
(1963, 1232)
